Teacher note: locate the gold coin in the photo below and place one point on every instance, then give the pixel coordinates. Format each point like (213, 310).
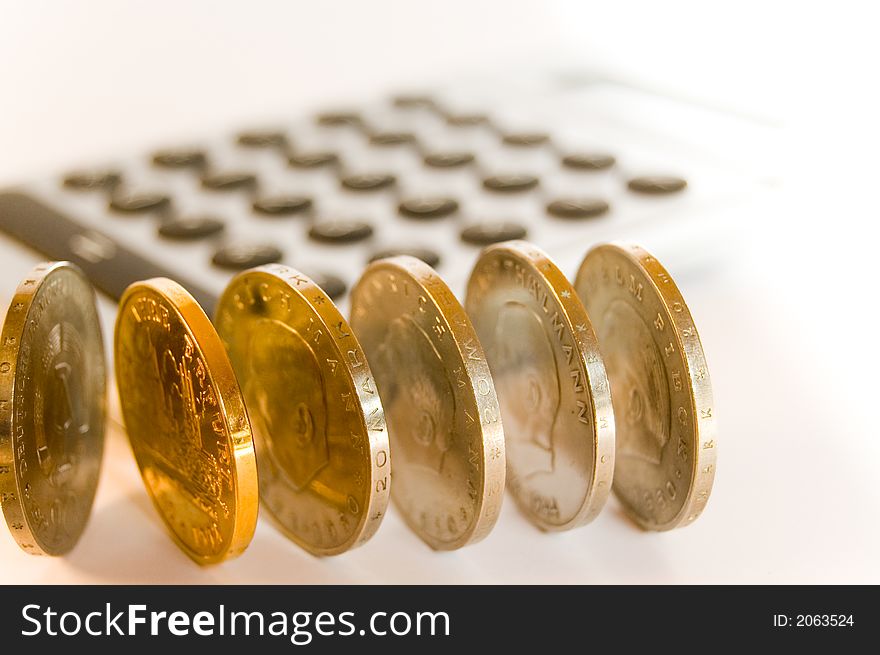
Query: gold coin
(551, 382)
(186, 420)
(52, 408)
(660, 386)
(443, 417)
(322, 448)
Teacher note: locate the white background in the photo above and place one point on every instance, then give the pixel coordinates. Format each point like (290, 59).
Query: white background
(789, 327)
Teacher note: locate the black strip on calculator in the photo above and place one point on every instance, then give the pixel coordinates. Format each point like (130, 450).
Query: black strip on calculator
(110, 266)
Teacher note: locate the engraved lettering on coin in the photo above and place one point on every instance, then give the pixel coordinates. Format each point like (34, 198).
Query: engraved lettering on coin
(52, 439)
(319, 426)
(442, 412)
(554, 394)
(661, 391)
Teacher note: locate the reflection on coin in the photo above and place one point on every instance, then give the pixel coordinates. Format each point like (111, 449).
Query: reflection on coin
(554, 395)
(186, 420)
(322, 448)
(52, 408)
(660, 386)
(443, 417)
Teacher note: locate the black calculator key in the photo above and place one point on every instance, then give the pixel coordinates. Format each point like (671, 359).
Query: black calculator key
(282, 205)
(188, 228)
(262, 139)
(588, 161)
(391, 138)
(135, 202)
(657, 184)
(89, 181)
(485, 234)
(510, 183)
(448, 159)
(407, 101)
(427, 207)
(238, 256)
(313, 159)
(179, 158)
(467, 120)
(228, 181)
(368, 181)
(332, 285)
(577, 207)
(526, 139)
(340, 231)
(427, 255)
(338, 118)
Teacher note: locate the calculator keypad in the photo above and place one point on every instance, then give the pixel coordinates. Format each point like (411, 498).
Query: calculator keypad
(437, 176)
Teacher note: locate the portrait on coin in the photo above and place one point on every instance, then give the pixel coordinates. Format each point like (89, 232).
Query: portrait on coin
(639, 391)
(418, 396)
(527, 382)
(287, 401)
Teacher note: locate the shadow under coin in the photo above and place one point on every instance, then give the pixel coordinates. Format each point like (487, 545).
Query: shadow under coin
(273, 559)
(646, 553)
(126, 543)
(620, 514)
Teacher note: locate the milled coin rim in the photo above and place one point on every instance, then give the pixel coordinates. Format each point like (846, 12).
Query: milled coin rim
(705, 438)
(232, 408)
(10, 344)
(574, 314)
(462, 331)
(377, 502)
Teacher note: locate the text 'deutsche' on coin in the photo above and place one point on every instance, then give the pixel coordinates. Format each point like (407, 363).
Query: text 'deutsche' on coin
(52, 408)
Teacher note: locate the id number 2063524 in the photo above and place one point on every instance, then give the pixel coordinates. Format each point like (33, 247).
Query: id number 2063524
(813, 621)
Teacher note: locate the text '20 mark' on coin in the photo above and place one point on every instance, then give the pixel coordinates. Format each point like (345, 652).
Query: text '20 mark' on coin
(319, 428)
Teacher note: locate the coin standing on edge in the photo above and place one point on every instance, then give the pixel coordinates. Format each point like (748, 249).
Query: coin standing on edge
(52, 408)
(443, 417)
(186, 420)
(666, 441)
(554, 394)
(319, 428)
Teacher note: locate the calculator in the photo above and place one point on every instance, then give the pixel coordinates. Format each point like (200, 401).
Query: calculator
(563, 161)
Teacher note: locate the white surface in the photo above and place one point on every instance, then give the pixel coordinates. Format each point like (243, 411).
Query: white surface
(789, 326)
